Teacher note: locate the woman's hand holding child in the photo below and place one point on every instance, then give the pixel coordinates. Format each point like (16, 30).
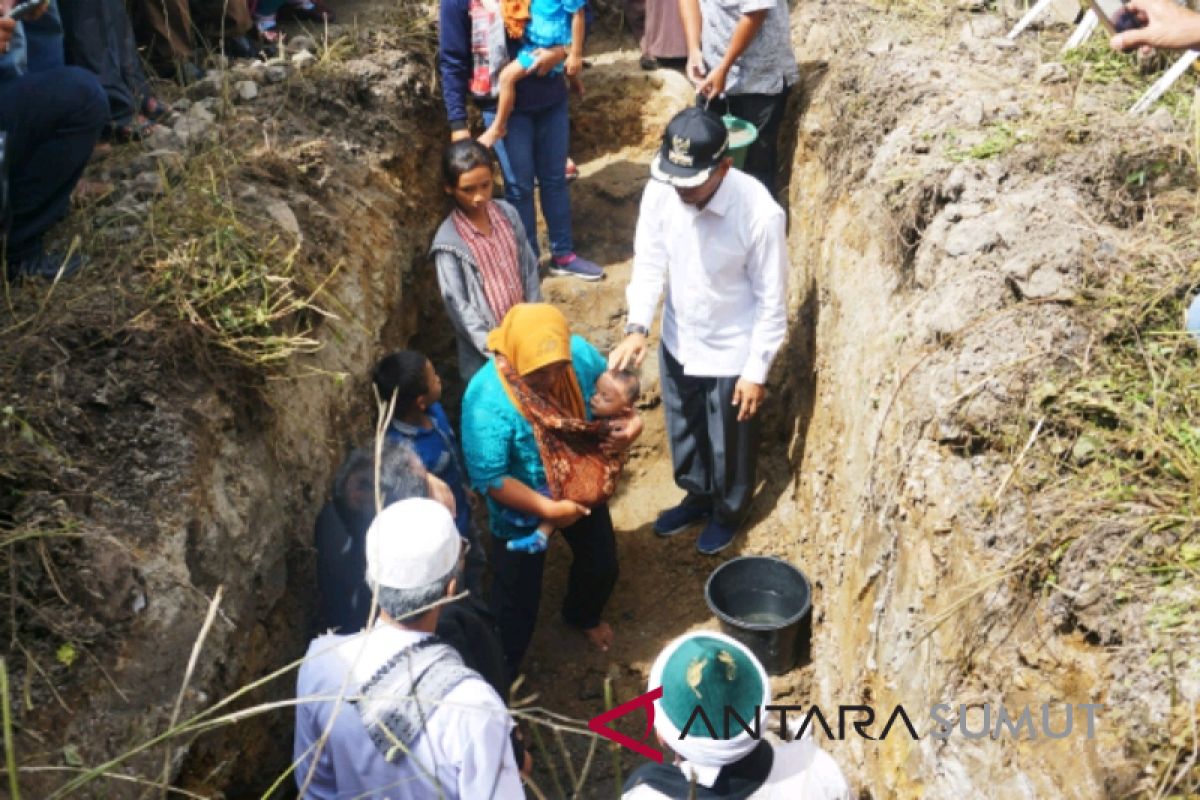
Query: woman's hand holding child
(623, 434)
(565, 513)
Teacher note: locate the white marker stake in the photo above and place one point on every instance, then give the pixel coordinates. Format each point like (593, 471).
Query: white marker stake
(1087, 26)
(1029, 17)
(1164, 83)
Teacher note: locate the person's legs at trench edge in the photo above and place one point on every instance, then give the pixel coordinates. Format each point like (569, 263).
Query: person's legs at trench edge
(515, 154)
(53, 119)
(687, 430)
(765, 112)
(517, 584)
(92, 32)
(551, 147)
(713, 455)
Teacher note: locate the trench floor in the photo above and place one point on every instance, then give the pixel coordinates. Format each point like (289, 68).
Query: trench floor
(659, 594)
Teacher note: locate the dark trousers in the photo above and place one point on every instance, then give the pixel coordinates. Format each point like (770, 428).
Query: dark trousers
(45, 38)
(714, 455)
(765, 111)
(99, 37)
(517, 584)
(167, 24)
(52, 119)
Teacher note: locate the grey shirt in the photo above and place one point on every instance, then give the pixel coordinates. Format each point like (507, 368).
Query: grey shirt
(768, 65)
(461, 286)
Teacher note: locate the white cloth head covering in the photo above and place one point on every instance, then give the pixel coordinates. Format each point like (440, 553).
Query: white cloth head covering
(704, 757)
(411, 544)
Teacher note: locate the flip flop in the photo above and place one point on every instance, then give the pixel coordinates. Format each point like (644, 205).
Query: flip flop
(155, 109)
(134, 131)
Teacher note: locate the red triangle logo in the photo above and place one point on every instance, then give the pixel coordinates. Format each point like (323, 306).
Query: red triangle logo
(599, 725)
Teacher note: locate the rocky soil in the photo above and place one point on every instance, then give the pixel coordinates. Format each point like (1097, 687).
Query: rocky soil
(954, 198)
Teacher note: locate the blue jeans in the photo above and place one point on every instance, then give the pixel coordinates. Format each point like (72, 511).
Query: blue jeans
(52, 119)
(536, 146)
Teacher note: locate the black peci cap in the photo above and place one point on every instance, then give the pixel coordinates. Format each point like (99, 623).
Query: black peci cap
(694, 144)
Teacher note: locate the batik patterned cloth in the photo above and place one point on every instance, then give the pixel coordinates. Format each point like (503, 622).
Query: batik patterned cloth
(516, 17)
(576, 467)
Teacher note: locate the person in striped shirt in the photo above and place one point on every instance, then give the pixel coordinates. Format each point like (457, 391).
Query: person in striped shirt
(484, 262)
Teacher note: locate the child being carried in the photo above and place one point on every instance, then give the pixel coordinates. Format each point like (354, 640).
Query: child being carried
(550, 24)
(587, 472)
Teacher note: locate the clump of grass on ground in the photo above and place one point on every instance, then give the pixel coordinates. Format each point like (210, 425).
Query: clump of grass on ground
(1001, 138)
(1120, 453)
(206, 281)
(236, 285)
(1096, 63)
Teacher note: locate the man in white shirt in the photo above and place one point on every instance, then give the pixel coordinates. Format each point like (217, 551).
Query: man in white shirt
(392, 712)
(716, 240)
(707, 756)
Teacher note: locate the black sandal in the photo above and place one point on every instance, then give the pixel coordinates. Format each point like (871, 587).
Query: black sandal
(134, 131)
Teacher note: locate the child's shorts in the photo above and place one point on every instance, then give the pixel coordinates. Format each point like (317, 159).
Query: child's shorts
(526, 58)
(520, 519)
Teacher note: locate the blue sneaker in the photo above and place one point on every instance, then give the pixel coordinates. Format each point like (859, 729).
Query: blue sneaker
(576, 266)
(715, 537)
(683, 516)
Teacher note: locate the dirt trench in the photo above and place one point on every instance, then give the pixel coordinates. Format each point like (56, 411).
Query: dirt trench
(929, 295)
(932, 293)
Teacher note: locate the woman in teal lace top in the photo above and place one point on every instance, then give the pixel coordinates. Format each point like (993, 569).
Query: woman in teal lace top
(504, 464)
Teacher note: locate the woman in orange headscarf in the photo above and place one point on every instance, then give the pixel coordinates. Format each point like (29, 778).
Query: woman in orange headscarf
(534, 347)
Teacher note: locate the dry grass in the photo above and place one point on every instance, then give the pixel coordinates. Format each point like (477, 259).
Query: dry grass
(236, 287)
(1116, 469)
(196, 276)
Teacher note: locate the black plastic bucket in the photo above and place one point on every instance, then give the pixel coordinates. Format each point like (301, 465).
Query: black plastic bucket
(766, 604)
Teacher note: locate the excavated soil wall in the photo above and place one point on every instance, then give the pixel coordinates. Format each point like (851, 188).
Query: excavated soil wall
(929, 293)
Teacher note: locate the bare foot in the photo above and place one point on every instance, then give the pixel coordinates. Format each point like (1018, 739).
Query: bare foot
(86, 191)
(600, 636)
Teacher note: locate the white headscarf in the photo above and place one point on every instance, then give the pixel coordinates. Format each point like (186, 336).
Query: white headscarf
(704, 757)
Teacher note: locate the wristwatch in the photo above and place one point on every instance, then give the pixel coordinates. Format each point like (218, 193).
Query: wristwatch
(633, 327)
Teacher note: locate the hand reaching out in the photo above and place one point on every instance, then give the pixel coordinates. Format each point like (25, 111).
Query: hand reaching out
(713, 85)
(1166, 25)
(7, 28)
(631, 352)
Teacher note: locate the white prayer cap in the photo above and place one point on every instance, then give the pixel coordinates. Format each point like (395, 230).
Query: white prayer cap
(411, 544)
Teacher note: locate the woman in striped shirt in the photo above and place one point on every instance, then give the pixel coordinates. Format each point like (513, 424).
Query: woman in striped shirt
(484, 263)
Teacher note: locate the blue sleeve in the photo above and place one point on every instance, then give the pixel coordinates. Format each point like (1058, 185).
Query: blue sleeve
(487, 430)
(571, 6)
(589, 366)
(441, 420)
(454, 59)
